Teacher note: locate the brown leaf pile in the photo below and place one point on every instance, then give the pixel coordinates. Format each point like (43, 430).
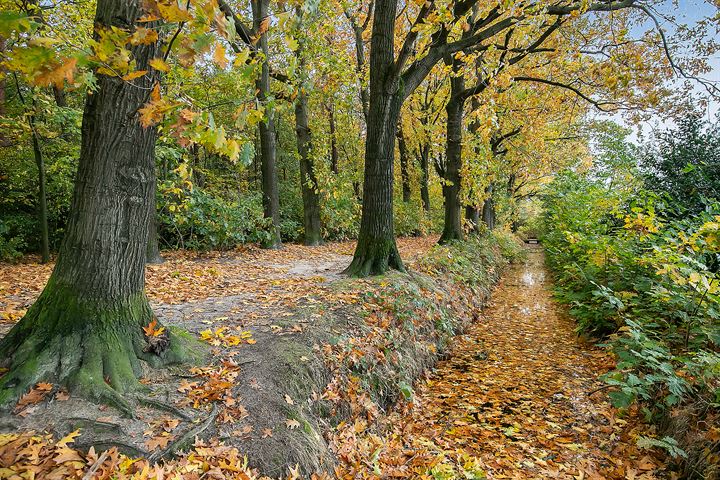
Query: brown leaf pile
(518, 398)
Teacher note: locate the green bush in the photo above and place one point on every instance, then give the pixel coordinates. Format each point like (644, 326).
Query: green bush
(197, 220)
(645, 281)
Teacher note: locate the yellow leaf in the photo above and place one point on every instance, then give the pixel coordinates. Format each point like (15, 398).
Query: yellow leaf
(159, 64)
(134, 75)
(219, 56)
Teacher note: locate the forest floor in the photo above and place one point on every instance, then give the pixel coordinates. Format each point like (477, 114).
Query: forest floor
(517, 396)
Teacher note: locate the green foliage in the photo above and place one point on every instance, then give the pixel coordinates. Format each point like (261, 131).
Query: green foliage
(10, 246)
(195, 219)
(684, 164)
(467, 262)
(340, 208)
(636, 272)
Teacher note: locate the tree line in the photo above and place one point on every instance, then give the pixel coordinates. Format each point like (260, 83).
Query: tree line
(490, 95)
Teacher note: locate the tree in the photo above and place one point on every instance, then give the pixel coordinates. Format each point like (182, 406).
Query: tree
(685, 164)
(266, 128)
(92, 325)
(430, 38)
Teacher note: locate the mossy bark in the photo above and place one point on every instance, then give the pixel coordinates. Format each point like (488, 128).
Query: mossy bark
(93, 347)
(376, 250)
(85, 330)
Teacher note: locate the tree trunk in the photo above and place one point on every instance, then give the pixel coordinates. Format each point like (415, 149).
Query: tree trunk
(333, 141)
(42, 197)
(404, 165)
(4, 141)
(308, 180)
(472, 215)
(488, 209)
(85, 329)
(153, 247)
(425, 179)
(453, 228)
(59, 95)
(376, 249)
(268, 146)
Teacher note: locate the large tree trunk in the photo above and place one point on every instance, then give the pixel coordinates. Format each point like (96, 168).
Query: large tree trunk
(334, 157)
(404, 165)
(376, 249)
(85, 329)
(268, 147)
(453, 227)
(488, 209)
(308, 180)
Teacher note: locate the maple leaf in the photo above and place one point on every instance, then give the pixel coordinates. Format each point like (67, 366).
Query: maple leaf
(292, 424)
(152, 331)
(219, 56)
(144, 36)
(56, 73)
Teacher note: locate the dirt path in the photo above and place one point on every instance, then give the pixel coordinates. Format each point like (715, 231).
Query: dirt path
(248, 283)
(518, 396)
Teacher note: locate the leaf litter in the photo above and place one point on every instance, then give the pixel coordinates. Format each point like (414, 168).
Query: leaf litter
(518, 396)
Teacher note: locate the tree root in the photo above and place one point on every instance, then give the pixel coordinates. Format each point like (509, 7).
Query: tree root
(375, 258)
(93, 348)
(166, 407)
(186, 438)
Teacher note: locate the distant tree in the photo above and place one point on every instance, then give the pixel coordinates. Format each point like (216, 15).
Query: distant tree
(684, 163)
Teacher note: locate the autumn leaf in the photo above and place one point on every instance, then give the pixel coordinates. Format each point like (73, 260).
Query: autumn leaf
(292, 424)
(159, 64)
(144, 36)
(133, 75)
(159, 441)
(56, 73)
(219, 56)
(152, 331)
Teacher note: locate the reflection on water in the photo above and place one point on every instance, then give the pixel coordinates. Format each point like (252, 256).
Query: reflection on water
(530, 278)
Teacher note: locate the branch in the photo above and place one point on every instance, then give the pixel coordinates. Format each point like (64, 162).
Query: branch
(598, 104)
(711, 88)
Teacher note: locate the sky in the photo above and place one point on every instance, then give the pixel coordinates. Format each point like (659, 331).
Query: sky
(685, 12)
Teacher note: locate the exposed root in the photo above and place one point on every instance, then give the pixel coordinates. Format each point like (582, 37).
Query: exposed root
(166, 407)
(186, 438)
(375, 258)
(93, 348)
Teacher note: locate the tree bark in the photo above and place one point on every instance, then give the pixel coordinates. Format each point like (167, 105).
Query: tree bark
(376, 249)
(153, 247)
(85, 329)
(424, 160)
(488, 209)
(472, 215)
(42, 196)
(308, 180)
(59, 95)
(268, 146)
(453, 227)
(404, 165)
(333, 141)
